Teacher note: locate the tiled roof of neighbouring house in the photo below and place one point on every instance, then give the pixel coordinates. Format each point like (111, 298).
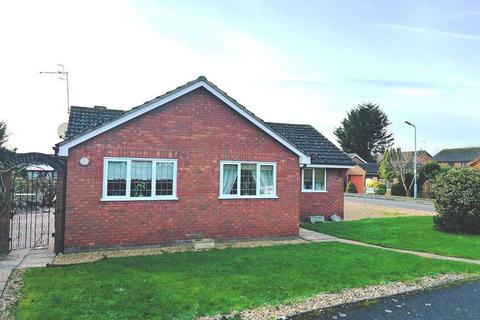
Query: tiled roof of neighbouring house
(312, 143)
(420, 154)
(372, 168)
(457, 155)
(474, 161)
(81, 118)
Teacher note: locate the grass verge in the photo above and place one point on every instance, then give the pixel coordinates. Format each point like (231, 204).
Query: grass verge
(410, 233)
(187, 285)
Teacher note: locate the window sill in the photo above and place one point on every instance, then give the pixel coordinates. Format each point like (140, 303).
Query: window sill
(314, 191)
(139, 199)
(247, 197)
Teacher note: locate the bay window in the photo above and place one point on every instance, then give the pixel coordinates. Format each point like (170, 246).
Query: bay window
(314, 180)
(139, 179)
(247, 179)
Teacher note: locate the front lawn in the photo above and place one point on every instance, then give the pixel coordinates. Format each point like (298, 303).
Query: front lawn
(412, 233)
(187, 285)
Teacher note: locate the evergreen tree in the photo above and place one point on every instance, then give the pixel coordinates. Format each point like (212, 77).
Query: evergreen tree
(364, 131)
(4, 151)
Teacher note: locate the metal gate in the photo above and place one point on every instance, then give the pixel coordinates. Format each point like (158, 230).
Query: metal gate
(32, 210)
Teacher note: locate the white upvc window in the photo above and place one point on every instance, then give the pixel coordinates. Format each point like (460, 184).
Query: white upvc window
(314, 180)
(246, 179)
(136, 179)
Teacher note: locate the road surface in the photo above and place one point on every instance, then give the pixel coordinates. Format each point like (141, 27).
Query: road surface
(407, 204)
(461, 301)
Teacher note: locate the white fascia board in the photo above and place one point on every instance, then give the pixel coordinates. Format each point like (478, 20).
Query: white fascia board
(356, 155)
(332, 166)
(63, 149)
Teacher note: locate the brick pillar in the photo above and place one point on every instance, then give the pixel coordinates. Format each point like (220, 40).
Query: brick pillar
(5, 203)
(60, 193)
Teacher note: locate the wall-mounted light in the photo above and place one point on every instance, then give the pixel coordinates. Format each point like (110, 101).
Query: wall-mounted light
(84, 161)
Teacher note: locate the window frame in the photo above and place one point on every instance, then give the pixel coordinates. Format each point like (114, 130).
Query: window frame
(258, 195)
(313, 180)
(127, 196)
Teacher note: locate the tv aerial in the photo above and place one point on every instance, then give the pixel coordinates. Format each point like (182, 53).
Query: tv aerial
(62, 75)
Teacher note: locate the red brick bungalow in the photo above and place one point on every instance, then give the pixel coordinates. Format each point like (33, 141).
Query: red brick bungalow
(193, 163)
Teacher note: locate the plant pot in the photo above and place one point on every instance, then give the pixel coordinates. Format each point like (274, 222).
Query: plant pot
(203, 244)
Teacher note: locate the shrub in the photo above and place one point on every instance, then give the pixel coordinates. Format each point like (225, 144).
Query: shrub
(351, 188)
(430, 170)
(398, 190)
(426, 189)
(457, 200)
(372, 184)
(380, 189)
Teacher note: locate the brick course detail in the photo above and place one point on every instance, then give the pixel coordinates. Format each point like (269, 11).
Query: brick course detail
(199, 131)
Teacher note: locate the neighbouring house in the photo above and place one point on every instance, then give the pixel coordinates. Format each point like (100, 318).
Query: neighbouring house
(475, 163)
(193, 163)
(356, 158)
(458, 157)
(362, 173)
(422, 156)
(372, 173)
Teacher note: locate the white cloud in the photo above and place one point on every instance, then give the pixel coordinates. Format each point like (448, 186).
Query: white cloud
(418, 92)
(120, 57)
(117, 58)
(429, 31)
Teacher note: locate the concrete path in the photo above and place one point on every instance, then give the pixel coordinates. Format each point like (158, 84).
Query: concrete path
(20, 259)
(313, 236)
(320, 237)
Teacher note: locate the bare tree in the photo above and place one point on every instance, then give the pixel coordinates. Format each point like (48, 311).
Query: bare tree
(398, 164)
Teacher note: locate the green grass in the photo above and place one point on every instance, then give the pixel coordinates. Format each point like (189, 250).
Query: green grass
(187, 285)
(392, 213)
(412, 233)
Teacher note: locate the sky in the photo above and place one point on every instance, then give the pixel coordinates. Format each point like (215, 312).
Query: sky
(286, 61)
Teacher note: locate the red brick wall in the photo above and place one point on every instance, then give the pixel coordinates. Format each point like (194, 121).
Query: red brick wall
(199, 131)
(324, 203)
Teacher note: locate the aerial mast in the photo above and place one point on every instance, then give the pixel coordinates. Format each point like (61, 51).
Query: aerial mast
(62, 75)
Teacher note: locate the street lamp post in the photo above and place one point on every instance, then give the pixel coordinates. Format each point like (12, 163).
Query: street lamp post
(414, 161)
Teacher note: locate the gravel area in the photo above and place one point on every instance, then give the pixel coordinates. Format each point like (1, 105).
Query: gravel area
(11, 295)
(327, 300)
(86, 257)
(357, 211)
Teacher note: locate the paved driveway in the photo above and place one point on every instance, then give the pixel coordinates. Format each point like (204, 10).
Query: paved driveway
(456, 302)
